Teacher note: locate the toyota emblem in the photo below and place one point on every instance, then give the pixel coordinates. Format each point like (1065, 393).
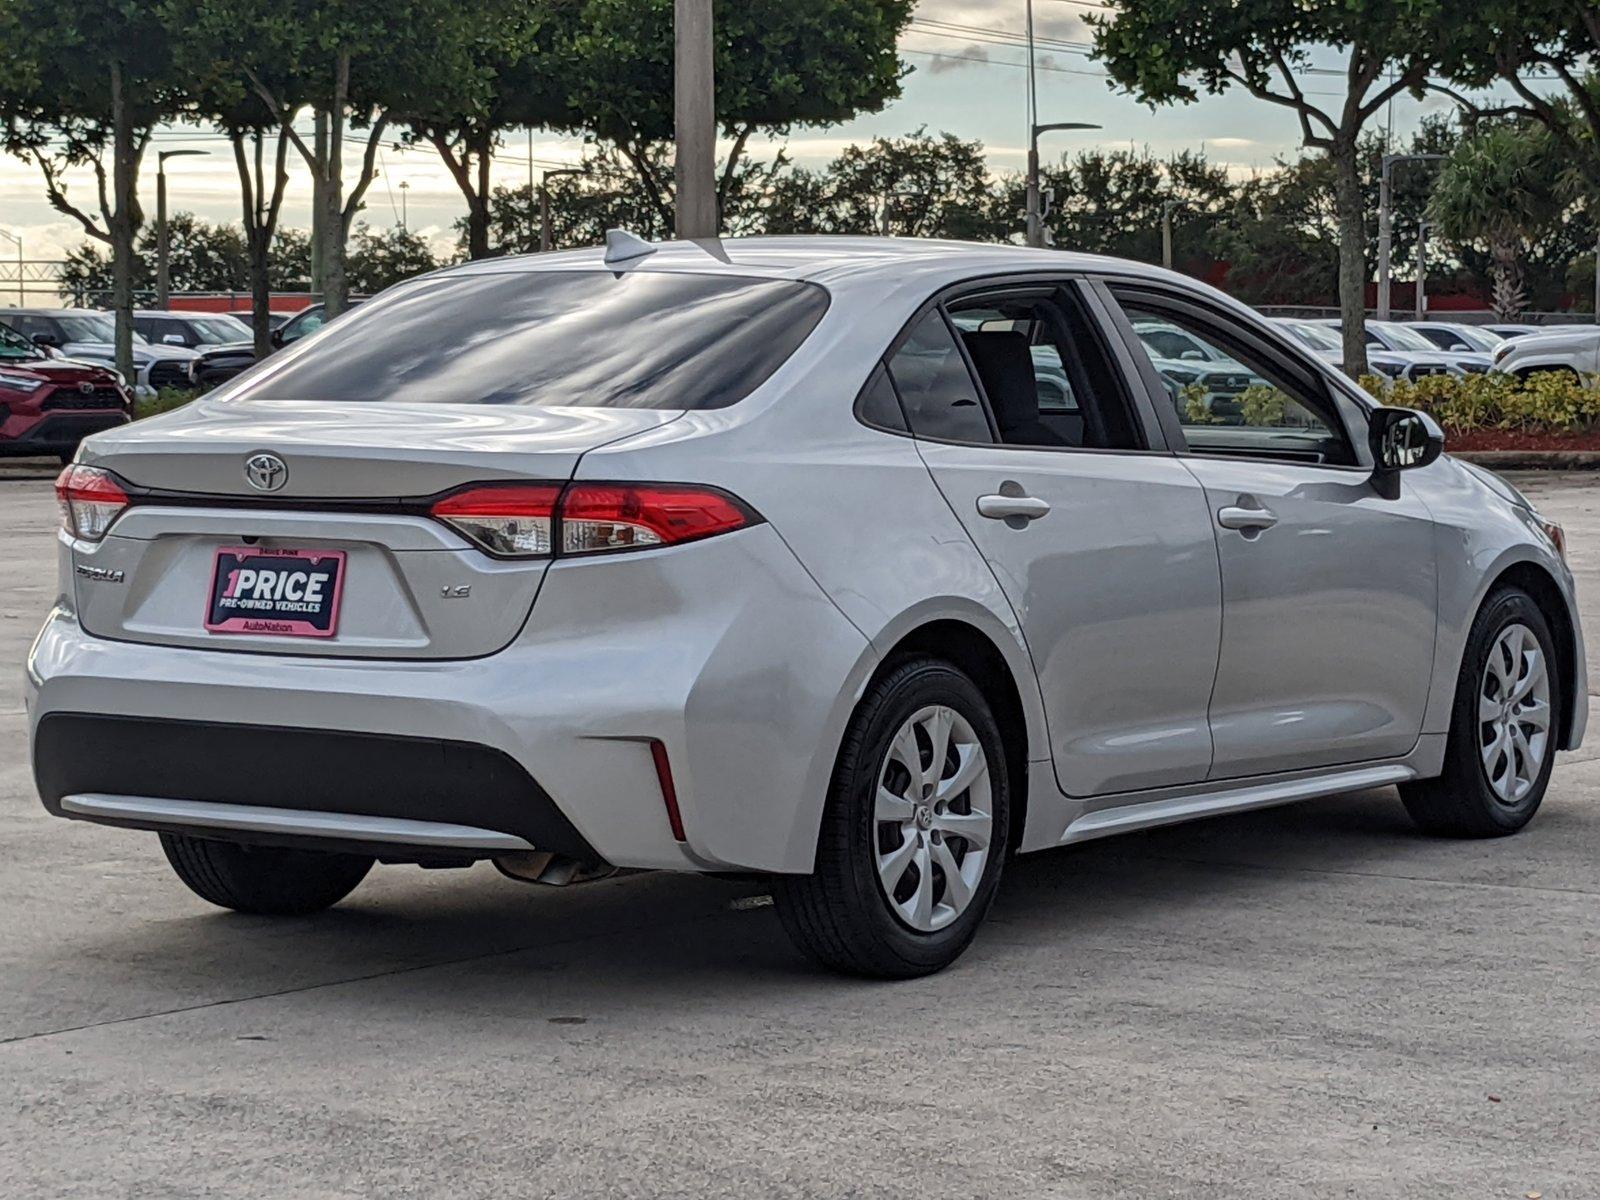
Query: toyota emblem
(86, 388)
(266, 472)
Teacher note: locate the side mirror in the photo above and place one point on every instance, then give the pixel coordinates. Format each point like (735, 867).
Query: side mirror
(45, 339)
(1191, 356)
(1403, 439)
(276, 337)
(172, 339)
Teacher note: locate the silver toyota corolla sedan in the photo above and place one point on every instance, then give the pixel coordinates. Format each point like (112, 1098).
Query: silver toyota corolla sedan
(860, 564)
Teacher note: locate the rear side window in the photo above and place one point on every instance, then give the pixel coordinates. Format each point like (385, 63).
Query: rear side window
(936, 389)
(591, 339)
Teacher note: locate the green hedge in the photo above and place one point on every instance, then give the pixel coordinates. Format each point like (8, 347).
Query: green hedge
(1545, 402)
(162, 401)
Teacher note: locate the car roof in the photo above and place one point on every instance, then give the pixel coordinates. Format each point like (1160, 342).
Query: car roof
(820, 258)
(55, 312)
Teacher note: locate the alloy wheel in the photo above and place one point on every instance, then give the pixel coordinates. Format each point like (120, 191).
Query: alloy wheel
(1514, 714)
(933, 820)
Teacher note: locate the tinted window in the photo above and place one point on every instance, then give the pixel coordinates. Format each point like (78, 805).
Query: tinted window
(14, 345)
(546, 338)
(936, 390)
(878, 405)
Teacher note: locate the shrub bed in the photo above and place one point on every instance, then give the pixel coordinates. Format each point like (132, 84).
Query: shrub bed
(1549, 409)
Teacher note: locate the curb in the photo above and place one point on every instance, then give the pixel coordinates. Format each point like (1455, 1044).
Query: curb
(1532, 460)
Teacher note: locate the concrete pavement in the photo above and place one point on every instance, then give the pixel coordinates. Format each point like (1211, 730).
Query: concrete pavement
(1309, 1001)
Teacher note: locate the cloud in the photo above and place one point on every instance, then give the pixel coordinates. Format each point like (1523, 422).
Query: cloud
(958, 59)
(1231, 143)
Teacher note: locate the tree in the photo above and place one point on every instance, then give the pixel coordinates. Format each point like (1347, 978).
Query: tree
(361, 65)
(1112, 202)
(202, 258)
(779, 64)
(531, 73)
(1165, 51)
(919, 185)
(1500, 187)
(1530, 44)
(84, 79)
(382, 258)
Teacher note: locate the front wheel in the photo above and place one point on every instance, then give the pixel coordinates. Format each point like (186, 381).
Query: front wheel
(1503, 727)
(914, 833)
(265, 880)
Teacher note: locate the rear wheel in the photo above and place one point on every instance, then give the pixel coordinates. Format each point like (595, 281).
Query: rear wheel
(914, 833)
(265, 880)
(1503, 728)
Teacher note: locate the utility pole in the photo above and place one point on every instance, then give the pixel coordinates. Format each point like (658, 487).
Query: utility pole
(163, 253)
(1422, 269)
(694, 120)
(1596, 278)
(1386, 225)
(1167, 209)
(546, 242)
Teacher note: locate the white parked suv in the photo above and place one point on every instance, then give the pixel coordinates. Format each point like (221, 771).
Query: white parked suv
(1574, 348)
(858, 564)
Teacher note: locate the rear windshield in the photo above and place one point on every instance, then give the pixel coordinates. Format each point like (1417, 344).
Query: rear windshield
(548, 338)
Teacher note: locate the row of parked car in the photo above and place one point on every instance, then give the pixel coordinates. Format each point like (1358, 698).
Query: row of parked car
(58, 383)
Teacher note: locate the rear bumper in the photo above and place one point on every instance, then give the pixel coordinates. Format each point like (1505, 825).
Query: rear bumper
(725, 651)
(252, 782)
(62, 430)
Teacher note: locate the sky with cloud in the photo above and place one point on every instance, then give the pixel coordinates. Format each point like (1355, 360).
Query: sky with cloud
(968, 76)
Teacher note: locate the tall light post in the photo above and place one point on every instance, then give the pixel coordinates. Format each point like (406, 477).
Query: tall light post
(405, 209)
(546, 243)
(163, 274)
(1168, 207)
(1422, 269)
(17, 241)
(1035, 220)
(694, 120)
(1386, 225)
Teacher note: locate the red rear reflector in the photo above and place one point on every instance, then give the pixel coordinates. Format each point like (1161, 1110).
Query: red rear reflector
(619, 516)
(90, 500)
(669, 793)
(515, 519)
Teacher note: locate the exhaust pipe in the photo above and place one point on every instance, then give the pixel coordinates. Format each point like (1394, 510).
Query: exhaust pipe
(551, 869)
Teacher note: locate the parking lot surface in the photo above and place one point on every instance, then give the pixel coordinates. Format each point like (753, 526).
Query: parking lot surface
(1307, 1001)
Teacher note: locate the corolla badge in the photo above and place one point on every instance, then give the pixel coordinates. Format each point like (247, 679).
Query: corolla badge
(266, 472)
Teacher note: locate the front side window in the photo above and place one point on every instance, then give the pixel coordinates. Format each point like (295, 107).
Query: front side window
(14, 346)
(1238, 401)
(936, 390)
(588, 339)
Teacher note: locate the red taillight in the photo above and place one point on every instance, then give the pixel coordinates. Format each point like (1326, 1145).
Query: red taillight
(630, 516)
(537, 520)
(90, 500)
(515, 520)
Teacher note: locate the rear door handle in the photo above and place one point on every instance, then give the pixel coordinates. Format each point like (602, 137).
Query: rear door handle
(1234, 517)
(998, 508)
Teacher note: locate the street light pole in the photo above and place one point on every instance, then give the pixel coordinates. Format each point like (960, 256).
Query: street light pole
(1035, 218)
(546, 242)
(1386, 225)
(21, 265)
(1421, 269)
(405, 209)
(695, 120)
(1167, 209)
(163, 273)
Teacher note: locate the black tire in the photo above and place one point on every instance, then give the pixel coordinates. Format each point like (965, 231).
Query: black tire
(839, 915)
(1460, 802)
(264, 880)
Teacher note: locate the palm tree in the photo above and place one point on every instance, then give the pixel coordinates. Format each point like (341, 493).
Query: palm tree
(1498, 189)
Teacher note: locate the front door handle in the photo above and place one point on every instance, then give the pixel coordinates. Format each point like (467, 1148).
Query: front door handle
(1000, 508)
(1234, 517)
